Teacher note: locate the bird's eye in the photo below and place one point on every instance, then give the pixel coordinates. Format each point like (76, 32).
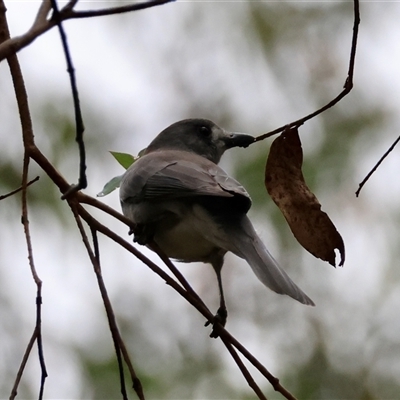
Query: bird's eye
(205, 130)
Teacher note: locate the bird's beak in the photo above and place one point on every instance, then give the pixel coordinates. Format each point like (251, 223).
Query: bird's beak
(233, 139)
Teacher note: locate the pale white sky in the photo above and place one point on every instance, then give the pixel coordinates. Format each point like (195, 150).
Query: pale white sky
(121, 75)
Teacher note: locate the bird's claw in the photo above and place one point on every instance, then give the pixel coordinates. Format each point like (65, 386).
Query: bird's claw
(142, 234)
(218, 322)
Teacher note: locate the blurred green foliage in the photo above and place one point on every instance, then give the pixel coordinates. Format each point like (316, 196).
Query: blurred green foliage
(308, 32)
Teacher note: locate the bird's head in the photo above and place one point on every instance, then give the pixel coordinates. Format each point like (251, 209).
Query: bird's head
(200, 136)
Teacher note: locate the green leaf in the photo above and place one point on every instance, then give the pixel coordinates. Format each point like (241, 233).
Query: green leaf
(110, 186)
(141, 153)
(125, 159)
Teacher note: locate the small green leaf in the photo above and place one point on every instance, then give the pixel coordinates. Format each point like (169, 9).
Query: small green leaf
(125, 159)
(141, 153)
(110, 186)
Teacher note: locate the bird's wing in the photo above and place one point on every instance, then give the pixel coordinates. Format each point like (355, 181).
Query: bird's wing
(177, 174)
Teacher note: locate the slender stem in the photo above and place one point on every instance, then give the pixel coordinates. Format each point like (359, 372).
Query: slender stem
(28, 140)
(79, 126)
(95, 259)
(348, 85)
(72, 14)
(251, 382)
(4, 196)
(365, 180)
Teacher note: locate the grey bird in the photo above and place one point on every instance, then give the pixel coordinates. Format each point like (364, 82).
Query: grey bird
(179, 198)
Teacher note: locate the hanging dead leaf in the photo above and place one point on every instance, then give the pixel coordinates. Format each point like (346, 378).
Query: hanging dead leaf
(286, 185)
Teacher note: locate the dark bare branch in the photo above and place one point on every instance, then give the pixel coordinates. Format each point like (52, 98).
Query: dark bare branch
(95, 260)
(42, 24)
(71, 14)
(27, 134)
(8, 49)
(192, 299)
(79, 126)
(251, 382)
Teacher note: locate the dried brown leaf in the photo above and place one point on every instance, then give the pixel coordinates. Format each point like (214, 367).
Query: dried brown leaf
(286, 185)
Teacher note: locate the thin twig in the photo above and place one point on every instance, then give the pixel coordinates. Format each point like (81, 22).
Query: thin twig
(136, 384)
(116, 336)
(70, 5)
(271, 378)
(94, 223)
(118, 342)
(29, 347)
(4, 196)
(84, 198)
(200, 304)
(188, 288)
(38, 282)
(364, 181)
(43, 12)
(178, 275)
(39, 26)
(27, 134)
(72, 14)
(251, 382)
(104, 295)
(79, 127)
(42, 25)
(348, 85)
(34, 153)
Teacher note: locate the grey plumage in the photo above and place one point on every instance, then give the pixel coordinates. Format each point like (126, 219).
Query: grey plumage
(179, 197)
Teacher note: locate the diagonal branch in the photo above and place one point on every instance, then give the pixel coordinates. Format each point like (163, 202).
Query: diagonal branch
(189, 296)
(136, 384)
(243, 369)
(376, 166)
(8, 49)
(4, 196)
(71, 14)
(95, 260)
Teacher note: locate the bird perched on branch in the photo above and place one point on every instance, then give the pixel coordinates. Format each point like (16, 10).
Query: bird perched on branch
(179, 198)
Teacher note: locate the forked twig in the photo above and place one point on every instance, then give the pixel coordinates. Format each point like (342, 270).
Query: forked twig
(190, 296)
(116, 336)
(42, 24)
(260, 367)
(251, 382)
(8, 48)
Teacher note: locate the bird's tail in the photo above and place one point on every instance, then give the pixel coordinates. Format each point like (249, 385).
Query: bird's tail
(250, 247)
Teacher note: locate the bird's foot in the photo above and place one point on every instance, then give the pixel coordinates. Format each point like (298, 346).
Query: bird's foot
(218, 322)
(141, 234)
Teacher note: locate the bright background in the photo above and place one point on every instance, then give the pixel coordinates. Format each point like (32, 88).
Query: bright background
(250, 67)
